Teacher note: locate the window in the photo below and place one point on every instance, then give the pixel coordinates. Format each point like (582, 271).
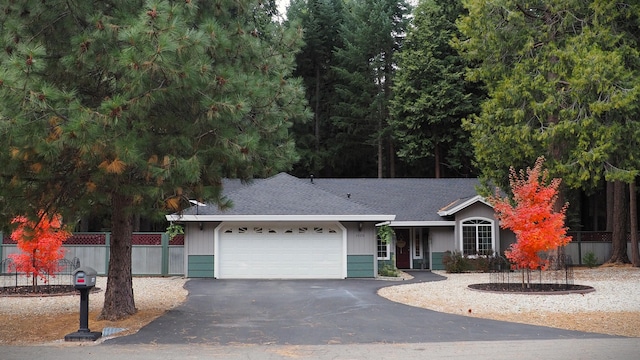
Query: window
(417, 244)
(383, 250)
(477, 237)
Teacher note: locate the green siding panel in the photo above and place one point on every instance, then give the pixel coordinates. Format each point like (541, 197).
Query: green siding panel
(200, 266)
(437, 261)
(360, 266)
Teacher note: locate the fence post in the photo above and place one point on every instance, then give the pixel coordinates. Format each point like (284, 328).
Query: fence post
(578, 235)
(107, 244)
(165, 254)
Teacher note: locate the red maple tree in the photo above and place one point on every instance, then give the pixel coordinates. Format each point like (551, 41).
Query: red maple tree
(41, 245)
(531, 216)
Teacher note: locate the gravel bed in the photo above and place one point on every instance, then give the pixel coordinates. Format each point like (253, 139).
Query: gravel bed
(617, 290)
(149, 293)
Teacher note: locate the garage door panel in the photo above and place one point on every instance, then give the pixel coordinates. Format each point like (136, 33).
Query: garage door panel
(315, 253)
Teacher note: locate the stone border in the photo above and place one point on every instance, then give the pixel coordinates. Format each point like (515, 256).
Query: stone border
(585, 289)
(34, 295)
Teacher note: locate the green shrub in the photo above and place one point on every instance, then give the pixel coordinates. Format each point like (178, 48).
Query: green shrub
(590, 259)
(455, 262)
(388, 270)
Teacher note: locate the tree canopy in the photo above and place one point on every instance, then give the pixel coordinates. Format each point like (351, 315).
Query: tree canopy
(139, 106)
(562, 78)
(430, 94)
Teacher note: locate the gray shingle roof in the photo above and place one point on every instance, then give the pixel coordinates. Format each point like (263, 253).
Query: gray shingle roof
(284, 194)
(409, 199)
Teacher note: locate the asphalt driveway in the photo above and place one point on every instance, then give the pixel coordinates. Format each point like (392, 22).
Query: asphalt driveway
(318, 312)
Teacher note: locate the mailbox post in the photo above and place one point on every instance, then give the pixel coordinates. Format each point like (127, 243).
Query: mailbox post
(84, 279)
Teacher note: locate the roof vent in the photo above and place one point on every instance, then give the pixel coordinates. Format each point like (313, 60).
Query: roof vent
(311, 177)
(348, 195)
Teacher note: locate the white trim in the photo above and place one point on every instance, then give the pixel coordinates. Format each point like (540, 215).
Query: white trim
(492, 224)
(344, 250)
(463, 205)
(262, 218)
(216, 251)
(388, 245)
(420, 223)
(415, 241)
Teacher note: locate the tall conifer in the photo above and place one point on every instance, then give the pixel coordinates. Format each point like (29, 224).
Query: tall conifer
(139, 106)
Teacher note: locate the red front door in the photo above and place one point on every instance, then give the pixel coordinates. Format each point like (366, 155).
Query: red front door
(403, 249)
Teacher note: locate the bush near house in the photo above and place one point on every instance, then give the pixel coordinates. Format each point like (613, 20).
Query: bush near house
(455, 262)
(388, 270)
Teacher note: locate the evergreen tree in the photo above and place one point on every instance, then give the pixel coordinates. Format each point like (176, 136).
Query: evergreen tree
(559, 75)
(139, 106)
(430, 94)
(563, 81)
(321, 21)
(371, 34)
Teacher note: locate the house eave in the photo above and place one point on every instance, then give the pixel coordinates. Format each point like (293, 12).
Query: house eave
(255, 218)
(442, 223)
(464, 205)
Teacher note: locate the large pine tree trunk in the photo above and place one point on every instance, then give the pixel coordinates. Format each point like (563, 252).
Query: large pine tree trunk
(633, 220)
(619, 236)
(392, 159)
(437, 161)
(609, 200)
(316, 110)
(118, 297)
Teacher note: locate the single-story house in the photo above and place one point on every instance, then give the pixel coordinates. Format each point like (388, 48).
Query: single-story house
(286, 227)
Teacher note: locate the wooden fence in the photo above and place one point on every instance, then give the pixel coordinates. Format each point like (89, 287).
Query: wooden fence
(598, 242)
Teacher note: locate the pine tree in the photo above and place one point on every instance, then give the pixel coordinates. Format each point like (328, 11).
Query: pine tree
(320, 21)
(430, 94)
(372, 33)
(139, 106)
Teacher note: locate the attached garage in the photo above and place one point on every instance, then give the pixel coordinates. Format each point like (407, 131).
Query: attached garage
(280, 250)
(281, 228)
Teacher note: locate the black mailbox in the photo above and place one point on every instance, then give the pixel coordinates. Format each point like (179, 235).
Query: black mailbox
(84, 278)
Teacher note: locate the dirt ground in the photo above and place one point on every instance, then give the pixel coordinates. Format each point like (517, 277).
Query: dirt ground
(20, 330)
(610, 323)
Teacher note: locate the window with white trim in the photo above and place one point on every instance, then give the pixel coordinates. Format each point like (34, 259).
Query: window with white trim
(417, 244)
(477, 237)
(383, 250)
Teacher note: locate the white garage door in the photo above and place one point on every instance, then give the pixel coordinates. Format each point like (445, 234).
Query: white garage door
(282, 251)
